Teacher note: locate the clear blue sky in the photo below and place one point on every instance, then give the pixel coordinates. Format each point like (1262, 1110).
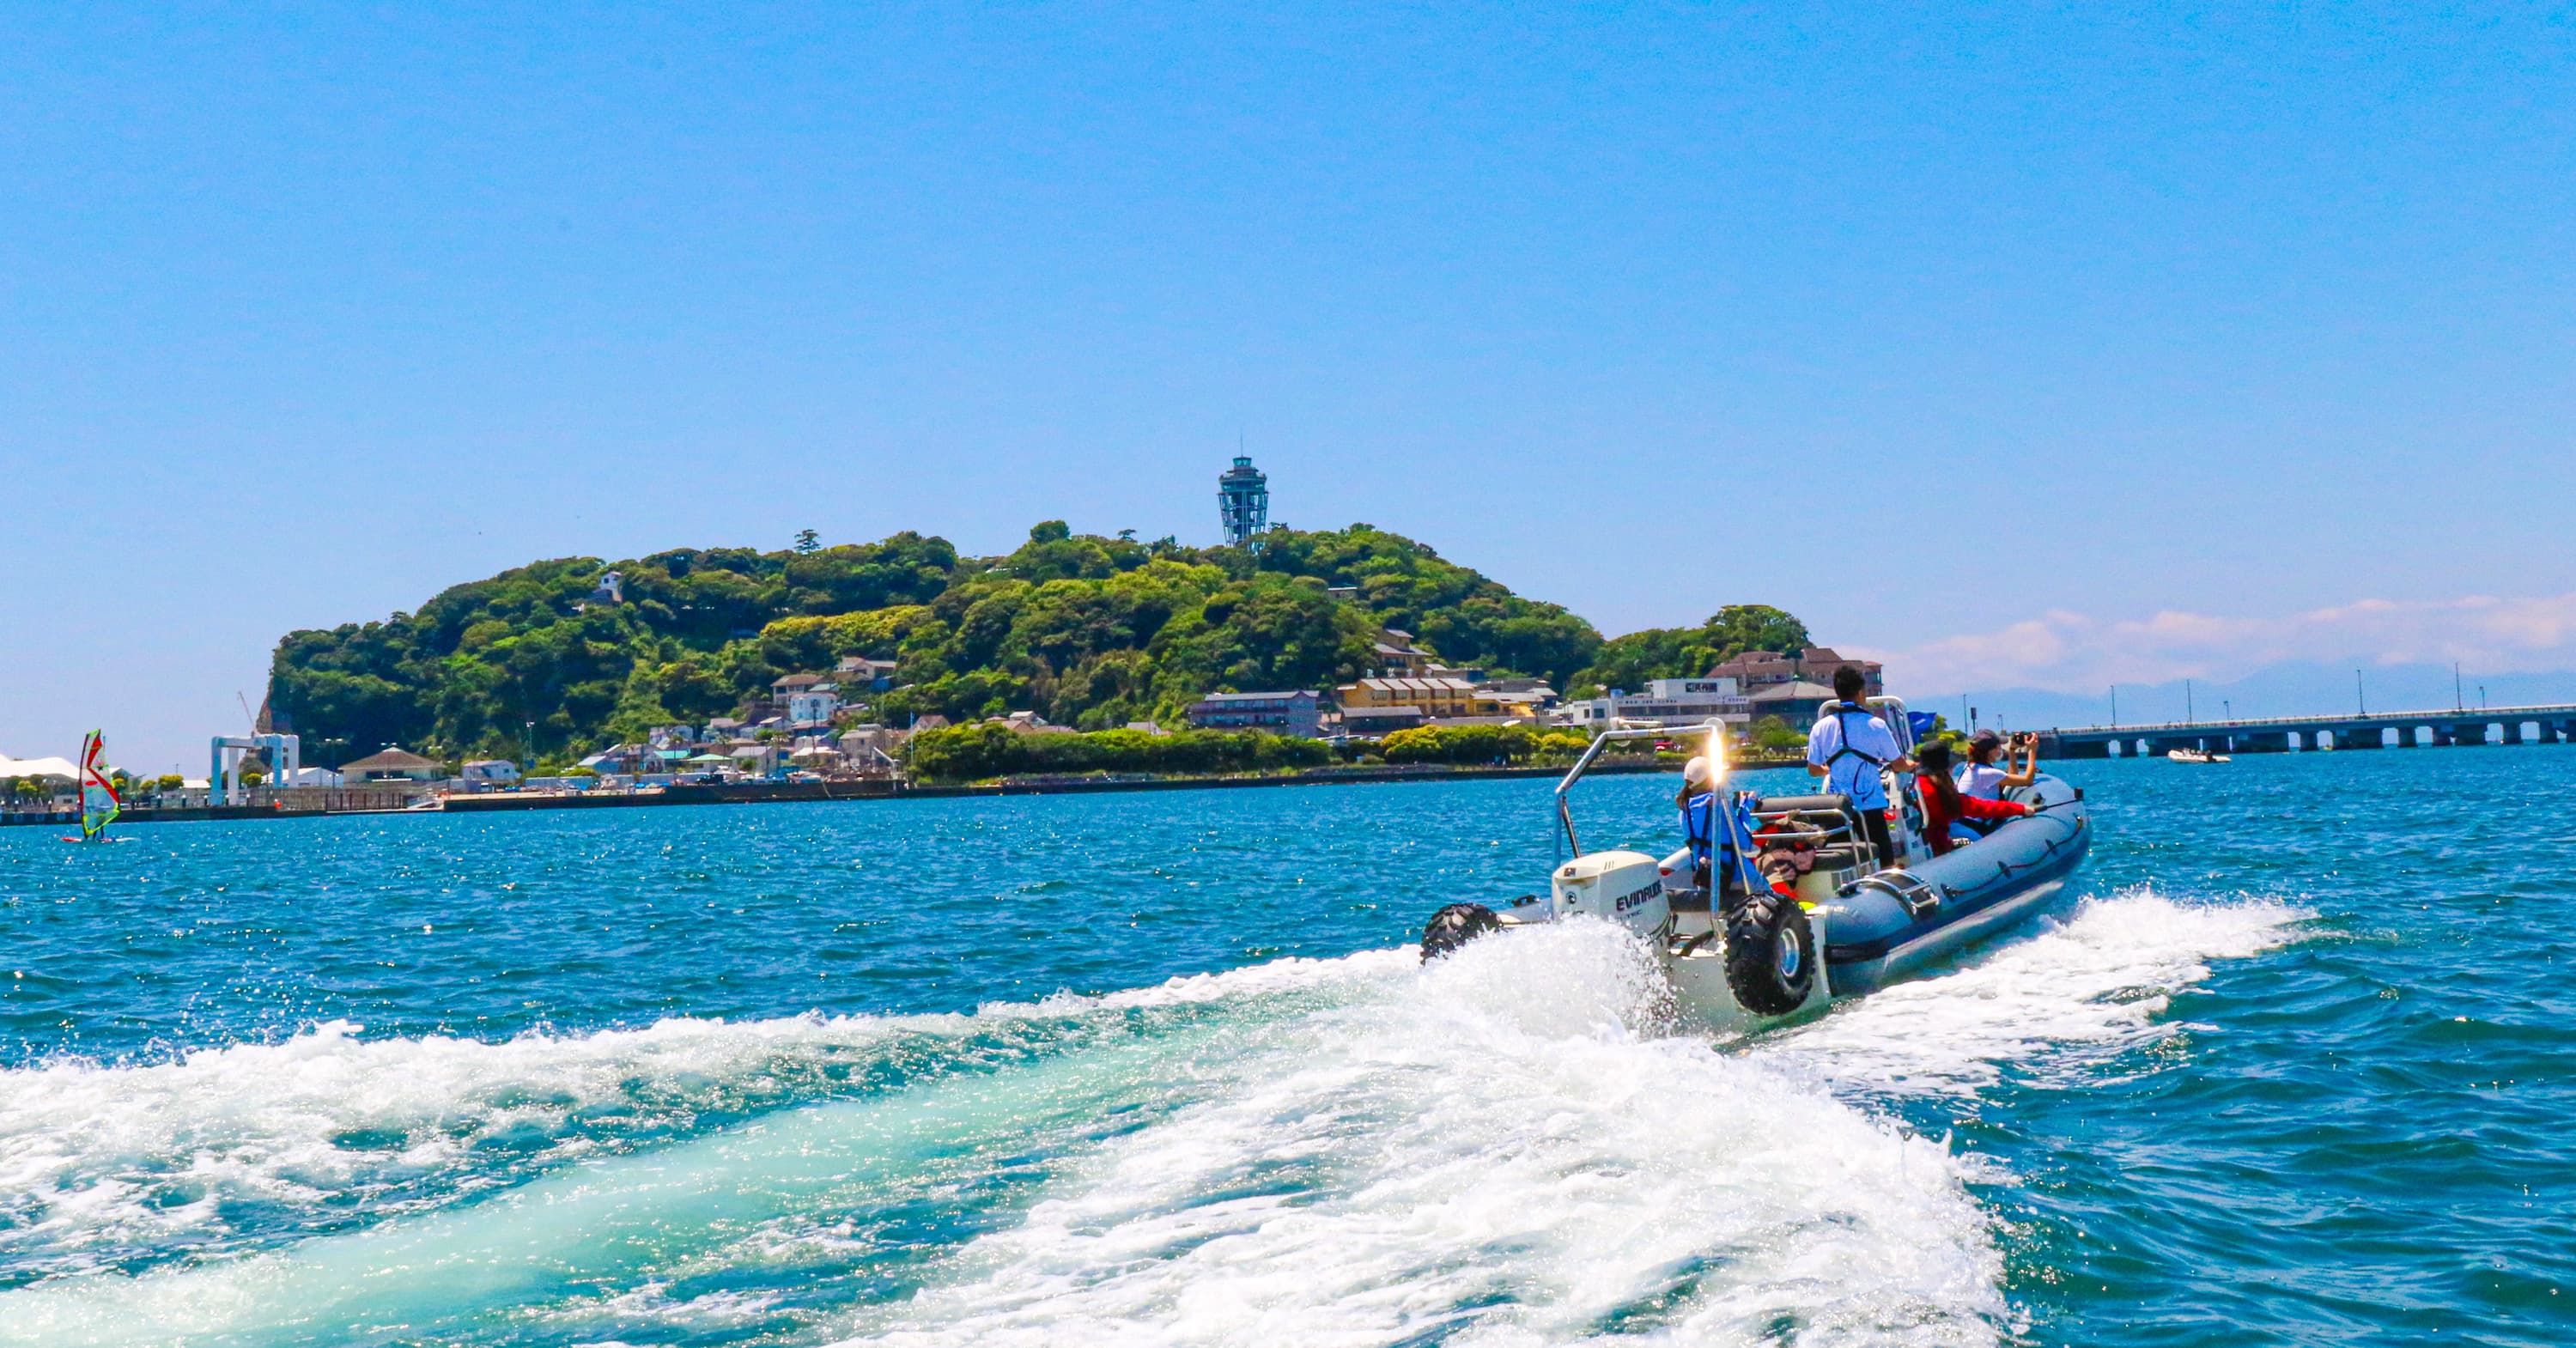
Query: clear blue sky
(2241, 312)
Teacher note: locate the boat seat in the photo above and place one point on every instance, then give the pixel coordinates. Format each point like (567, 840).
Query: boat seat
(1841, 855)
(1833, 804)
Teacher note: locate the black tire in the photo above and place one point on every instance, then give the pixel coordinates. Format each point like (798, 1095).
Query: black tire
(1770, 956)
(1455, 926)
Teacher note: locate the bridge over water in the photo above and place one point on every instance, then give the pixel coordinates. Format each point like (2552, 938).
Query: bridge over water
(2405, 729)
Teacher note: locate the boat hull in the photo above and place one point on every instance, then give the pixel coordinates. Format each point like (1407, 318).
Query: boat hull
(1976, 892)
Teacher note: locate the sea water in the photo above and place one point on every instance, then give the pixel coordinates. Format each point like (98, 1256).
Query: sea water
(2296, 1065)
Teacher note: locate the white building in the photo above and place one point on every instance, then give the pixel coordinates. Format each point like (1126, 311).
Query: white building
(391, 765)
(813, 706)
(1665, 702)
(489, 772)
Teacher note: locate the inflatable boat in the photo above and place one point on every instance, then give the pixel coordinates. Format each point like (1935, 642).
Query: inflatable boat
(1737, 952)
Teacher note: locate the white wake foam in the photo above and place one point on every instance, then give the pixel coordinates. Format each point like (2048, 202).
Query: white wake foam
(1501, 1146)
(2085, 989)
(96, 1157)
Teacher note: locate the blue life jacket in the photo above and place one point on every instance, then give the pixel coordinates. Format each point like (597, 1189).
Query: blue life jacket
(1699, 826)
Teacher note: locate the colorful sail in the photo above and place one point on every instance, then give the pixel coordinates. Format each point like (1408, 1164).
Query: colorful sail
(99, 802)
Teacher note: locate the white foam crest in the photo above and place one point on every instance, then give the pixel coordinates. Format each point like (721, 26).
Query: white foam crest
(2087, 988)
(91, 1154)
(1294, 973)
(1503, 1148)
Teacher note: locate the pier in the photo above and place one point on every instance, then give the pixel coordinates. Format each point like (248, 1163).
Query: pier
(2291, 734)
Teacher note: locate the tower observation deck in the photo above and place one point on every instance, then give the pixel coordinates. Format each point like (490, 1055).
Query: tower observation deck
(1243, 501)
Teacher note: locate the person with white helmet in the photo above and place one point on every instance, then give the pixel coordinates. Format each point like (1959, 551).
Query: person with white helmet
(1698, 803)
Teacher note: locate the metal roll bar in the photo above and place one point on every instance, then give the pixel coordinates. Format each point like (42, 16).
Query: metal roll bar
(1565, 814)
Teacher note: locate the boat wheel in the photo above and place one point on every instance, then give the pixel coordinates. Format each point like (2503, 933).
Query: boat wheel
(1770, 957)
(1455, 926)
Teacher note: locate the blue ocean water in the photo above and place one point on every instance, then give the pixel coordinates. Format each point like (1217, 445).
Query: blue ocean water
(2297, 1067)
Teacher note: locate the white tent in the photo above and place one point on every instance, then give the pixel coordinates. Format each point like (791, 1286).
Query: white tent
(63, 768)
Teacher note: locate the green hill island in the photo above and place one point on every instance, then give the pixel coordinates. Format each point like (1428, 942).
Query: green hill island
(558, 659)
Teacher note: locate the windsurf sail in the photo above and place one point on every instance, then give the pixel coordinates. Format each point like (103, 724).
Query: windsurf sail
(99, 802)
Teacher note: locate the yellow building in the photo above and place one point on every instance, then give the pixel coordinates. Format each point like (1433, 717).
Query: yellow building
(1433, 697)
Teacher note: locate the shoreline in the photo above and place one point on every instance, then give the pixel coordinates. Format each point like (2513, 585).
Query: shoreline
(762, 793)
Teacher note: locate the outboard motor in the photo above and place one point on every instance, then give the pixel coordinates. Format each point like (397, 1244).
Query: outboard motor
(1616, 886)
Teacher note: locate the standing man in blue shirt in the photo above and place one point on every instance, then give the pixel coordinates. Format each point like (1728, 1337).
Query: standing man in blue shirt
(1849, 747)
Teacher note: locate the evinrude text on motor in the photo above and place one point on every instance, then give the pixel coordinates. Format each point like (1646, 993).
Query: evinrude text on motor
(1736, 951)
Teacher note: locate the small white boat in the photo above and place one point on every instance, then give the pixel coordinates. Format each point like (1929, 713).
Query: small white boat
(2196, 756)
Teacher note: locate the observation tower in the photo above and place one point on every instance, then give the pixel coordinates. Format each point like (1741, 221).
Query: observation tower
(1243, 501)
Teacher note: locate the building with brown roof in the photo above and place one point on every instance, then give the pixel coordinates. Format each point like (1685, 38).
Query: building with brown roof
(392, 765)
(1754, 671)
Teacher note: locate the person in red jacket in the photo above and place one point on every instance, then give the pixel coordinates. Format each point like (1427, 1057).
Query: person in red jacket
(1942, 803)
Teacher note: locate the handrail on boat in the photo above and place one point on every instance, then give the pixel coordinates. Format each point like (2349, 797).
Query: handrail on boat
(1891, 710)
(1565, 814)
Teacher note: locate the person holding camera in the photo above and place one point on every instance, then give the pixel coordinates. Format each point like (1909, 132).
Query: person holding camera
(1983, 778)
(1950, 818)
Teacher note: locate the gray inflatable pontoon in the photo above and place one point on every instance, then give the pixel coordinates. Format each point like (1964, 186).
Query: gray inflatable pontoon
(1893, 924)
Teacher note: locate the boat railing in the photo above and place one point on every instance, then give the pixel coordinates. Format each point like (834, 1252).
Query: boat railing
(1565, 813)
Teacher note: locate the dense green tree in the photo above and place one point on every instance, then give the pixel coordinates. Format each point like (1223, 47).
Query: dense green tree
(969, 753)
(1469, 619)
(1680, 652)
(1480, 744)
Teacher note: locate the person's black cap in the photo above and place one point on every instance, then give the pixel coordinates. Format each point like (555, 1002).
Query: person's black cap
(1984, 738)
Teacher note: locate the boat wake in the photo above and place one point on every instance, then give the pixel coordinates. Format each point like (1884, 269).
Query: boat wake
(1511, 1146)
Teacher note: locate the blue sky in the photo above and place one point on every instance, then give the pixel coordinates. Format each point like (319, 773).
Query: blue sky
(2025, 347)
